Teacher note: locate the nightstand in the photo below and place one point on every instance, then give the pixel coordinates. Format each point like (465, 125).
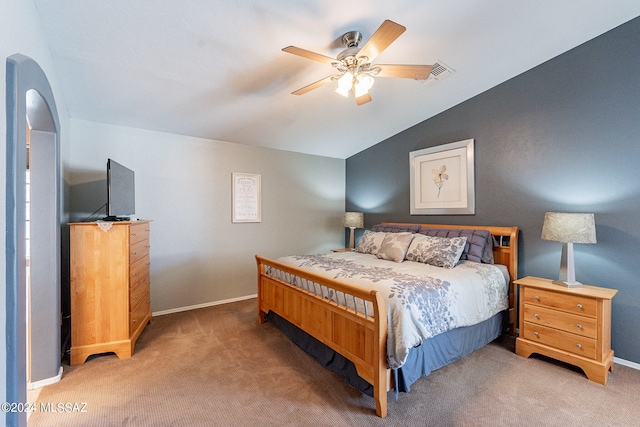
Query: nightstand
(568, 324)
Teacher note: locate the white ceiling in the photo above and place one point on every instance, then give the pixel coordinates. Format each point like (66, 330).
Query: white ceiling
(214, 68)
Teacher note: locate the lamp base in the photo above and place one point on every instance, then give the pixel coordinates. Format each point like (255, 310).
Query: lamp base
(567, 284)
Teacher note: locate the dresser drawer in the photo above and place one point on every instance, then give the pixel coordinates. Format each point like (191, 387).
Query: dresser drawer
(572, 343)
(138, 250)
(572, 303)
(139, 313)
(136, 295)
(138, 232)
(138, 270)
(581, 325)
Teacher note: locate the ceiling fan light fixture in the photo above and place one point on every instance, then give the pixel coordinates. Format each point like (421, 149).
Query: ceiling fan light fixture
(362, 85)
(344, 83)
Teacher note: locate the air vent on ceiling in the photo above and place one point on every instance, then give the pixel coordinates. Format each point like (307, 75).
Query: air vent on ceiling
(439, 72)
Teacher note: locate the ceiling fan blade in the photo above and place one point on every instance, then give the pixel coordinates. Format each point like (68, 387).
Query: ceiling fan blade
(313, 86)
(309, 55)
(388, 32)
(363, 99)
(416, 72)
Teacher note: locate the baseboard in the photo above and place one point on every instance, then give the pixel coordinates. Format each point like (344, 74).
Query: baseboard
(206, 304)
(626, 363)
(46, 381)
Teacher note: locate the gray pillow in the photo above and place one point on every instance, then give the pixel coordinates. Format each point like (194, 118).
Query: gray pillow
(397, 228)
(394, 246)
(439, 251)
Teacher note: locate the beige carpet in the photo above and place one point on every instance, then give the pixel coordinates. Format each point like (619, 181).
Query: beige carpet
(218, 367)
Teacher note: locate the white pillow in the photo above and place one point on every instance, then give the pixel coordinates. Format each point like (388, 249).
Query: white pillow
(370, 242)
(394, 246)
(439, 251)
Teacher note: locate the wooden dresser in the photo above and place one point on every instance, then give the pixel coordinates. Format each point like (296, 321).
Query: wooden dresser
(110, 296)
(568, 324)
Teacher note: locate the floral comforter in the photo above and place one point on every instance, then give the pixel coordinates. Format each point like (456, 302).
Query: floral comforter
(422, 300)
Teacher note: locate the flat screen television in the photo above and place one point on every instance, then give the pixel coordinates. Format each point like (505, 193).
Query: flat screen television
(121, 192)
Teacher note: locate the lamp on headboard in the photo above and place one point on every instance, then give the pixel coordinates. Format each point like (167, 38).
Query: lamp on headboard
(353, 220)
(568, 228)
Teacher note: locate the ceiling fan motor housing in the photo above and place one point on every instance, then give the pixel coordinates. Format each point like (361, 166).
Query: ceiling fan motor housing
(351, 39)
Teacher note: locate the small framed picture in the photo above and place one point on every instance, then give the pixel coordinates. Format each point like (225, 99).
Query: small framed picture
(246, 195)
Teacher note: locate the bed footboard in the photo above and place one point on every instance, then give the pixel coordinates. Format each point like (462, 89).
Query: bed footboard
(357, 334)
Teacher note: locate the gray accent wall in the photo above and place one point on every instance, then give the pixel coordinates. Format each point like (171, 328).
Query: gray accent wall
(563, 136)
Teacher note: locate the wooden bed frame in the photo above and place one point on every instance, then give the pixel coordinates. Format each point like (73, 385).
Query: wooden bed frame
(359, 337)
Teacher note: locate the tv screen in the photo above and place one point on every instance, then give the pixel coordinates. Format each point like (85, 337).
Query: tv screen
(121, 194)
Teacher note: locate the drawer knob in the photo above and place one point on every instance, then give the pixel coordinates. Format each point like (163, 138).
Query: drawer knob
(579, 305)
(579, 345)
(537, 298)
(135, 297)
(535, 333)
(136, 321)
(579, 326)
(536, 316)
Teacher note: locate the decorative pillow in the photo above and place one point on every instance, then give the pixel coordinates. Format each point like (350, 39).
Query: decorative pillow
(397, 228)
(394, 246)
(477, 242)
(370, 242)
(439, 251)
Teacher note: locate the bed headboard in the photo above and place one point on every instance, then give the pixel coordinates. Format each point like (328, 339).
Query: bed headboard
(505, 253)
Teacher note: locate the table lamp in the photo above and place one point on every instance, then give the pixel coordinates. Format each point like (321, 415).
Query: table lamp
(568, 228)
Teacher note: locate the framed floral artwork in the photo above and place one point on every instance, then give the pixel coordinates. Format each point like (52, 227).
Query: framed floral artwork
(442, 180)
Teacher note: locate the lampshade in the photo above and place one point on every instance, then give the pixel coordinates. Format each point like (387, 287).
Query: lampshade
(569, 227)
(353, 219)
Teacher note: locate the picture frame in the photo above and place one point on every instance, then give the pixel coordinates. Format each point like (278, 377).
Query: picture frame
(442, 179)
(246, 204)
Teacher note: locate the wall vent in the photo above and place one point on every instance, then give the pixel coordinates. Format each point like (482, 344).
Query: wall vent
(439, 72)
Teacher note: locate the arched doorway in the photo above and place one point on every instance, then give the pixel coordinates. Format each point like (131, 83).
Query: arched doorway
(33, 247)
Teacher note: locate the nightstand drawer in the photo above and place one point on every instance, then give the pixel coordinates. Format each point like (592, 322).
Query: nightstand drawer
(581, 325)
(572, 303)
(572, 343)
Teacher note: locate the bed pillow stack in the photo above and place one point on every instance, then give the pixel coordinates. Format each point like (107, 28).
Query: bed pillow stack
(479, 246)
(371, 240)
(440, 247)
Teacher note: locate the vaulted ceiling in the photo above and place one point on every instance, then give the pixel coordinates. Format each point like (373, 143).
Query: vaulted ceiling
(215, 69)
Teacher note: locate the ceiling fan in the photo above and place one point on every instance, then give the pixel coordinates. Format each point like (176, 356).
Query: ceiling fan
(354, 64)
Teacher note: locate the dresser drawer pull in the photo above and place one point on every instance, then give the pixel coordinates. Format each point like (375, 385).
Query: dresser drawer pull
(135, 297)
(579, 326)
(135, 253)
(579, 345)
(536, 316)
(535, 333)
(579, 305)
(537, 298)
(136, 321)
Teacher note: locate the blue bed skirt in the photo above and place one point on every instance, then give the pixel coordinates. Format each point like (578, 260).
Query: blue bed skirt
(432, 354)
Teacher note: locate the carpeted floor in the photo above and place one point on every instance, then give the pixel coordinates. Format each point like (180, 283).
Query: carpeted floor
(218, 367)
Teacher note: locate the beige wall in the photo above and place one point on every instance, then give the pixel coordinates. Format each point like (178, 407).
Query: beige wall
(198, 256)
